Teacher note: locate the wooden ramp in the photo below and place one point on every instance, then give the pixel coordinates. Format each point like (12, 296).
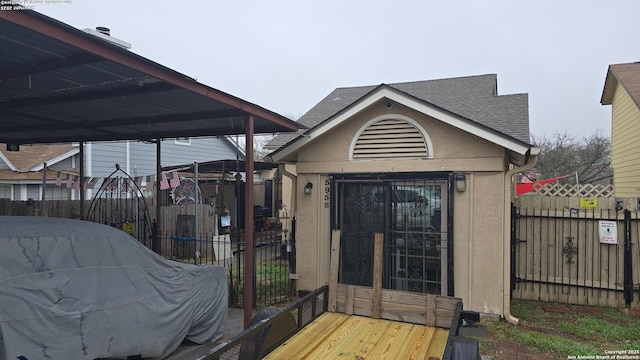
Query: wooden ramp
(335, 335)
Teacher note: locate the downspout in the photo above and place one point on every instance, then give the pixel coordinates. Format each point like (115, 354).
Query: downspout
(291, 247)
(531, 158)
(294, 186)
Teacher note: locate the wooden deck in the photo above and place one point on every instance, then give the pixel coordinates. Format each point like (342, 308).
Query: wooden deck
(335, 335)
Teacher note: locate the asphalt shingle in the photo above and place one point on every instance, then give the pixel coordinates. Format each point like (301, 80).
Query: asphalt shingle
(472, 97)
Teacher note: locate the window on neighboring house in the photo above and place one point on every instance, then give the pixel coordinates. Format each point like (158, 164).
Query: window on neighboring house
(5, 191)
(183, 140)
(53, 192)
(33, 191)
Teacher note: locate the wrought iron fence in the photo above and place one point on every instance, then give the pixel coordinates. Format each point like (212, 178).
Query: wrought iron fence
(576, 256)
(272, 257)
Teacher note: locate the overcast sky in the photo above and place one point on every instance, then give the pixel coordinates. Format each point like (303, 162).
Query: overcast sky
(287, 55)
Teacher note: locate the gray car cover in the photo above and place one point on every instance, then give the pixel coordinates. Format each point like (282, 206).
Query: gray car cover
(72, 289)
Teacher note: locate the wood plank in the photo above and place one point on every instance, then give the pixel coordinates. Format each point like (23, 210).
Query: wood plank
(405, 297)
(389, 343)
(438, 344)
(431, 310)
(377, 276)
(371, 339)
(399, 305)
(333, 344)
(406, 313)
(309, 338)
(333, 270)
(417, 343)
(351, 293)
(443, 318)
(363, 341)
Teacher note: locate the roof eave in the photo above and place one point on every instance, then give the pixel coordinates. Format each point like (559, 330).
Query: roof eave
(8, 162)
(56, 159)
(610, 84)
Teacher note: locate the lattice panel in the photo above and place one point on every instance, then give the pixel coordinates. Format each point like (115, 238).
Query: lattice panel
(572, 190)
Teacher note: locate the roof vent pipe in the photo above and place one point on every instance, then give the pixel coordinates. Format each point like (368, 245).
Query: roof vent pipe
(104, 30)
(105, 34)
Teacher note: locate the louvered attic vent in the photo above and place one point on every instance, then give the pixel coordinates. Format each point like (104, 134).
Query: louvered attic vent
(390, 139)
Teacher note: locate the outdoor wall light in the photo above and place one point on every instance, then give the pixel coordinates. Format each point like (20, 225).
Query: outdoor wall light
(307, 188)
(461, 182)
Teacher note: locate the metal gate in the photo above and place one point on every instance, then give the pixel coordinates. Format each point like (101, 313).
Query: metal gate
(120, 203)
(560, 255)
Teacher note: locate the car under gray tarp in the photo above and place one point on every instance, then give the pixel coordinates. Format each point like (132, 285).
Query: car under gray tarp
(72, 289)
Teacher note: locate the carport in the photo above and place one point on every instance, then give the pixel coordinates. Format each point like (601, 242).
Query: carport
(59, 84)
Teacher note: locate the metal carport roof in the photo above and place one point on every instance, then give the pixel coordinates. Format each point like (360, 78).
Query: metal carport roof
(61, 84)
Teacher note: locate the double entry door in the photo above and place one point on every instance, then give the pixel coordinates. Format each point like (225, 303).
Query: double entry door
(412, 215)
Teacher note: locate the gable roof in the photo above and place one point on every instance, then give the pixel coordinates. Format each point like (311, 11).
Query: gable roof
(469, 103)
(31, 158)
(628, 75)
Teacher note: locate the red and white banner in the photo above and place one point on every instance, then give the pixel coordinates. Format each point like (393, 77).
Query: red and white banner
(90, 184)
(175, 180)
(164, 182)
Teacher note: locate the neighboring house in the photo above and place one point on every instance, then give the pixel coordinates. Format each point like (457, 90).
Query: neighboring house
(622, 92)
(21, 171)
(430, 165)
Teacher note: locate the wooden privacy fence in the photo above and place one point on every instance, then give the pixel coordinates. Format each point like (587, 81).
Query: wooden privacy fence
(68, 209)
(563, 253)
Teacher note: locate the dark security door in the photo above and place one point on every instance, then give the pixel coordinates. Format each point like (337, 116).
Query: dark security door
(362, 213)
(416, 241)
(410, 214)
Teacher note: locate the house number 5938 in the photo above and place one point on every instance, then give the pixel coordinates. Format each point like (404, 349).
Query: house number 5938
(327, 193)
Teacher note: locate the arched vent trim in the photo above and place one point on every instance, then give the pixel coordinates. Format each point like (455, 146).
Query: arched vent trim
(390, 139)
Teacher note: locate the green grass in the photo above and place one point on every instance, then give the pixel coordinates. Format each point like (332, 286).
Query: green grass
(563, 335)
(596, 329)
(546, 343)
(272, 282)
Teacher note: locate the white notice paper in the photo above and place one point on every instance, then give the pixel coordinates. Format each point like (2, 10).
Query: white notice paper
(608, 232)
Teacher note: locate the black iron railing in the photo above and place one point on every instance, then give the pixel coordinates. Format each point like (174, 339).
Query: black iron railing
(575, 256)
(272, 263)
(255, 342)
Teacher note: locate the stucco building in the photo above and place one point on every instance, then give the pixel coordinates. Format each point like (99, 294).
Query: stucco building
(430, 165)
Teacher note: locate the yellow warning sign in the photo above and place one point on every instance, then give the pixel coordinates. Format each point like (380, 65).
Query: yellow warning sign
(588, 203)
(129, 228)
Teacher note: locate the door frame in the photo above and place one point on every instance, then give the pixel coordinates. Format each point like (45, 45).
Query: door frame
(448, 177)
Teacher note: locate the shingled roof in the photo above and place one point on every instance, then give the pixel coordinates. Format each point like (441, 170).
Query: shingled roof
(473, 97)
(35, 155)
(626, 74)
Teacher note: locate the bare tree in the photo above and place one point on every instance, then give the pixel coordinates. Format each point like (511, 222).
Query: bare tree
(259, 152)
(563, 154)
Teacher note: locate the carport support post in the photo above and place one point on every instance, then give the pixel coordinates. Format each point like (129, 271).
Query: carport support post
(44, 190)
(155, 245)
(196, 256)
(247, 298)
(82, 191)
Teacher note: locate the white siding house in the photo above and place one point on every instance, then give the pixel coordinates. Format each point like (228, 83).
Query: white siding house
(21, 172)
